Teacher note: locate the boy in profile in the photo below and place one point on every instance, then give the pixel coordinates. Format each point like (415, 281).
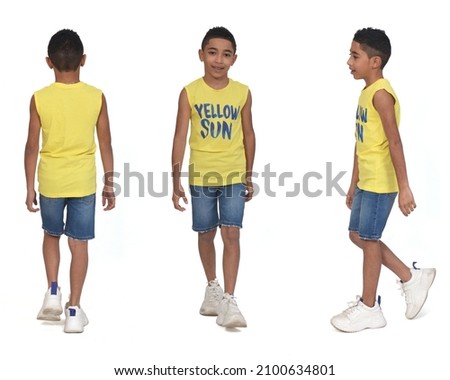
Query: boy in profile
(379, 174)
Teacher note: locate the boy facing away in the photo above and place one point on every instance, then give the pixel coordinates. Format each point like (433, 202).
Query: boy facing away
(379, 174)
(67, 113)
(222, 149)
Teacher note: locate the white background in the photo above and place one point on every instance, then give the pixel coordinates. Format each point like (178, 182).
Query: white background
(145, 282)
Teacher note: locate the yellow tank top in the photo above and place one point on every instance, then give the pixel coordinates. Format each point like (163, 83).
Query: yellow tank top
(68, 115)
(376, 171)
(217, 156)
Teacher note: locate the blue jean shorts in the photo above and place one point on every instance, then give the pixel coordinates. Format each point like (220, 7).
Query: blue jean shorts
(370, 212)
(217, 206)
(80, 216)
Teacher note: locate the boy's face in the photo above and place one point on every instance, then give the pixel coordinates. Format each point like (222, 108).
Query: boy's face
(218, 56)
(361, 66)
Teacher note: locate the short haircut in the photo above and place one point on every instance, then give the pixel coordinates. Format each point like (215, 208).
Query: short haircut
(219, 32)
(374, 42)
(65, 50)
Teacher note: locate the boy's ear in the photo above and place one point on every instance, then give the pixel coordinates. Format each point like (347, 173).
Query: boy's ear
(49, 62)
(83, 60)
(234, 59)
(376, 62)
(200, 54)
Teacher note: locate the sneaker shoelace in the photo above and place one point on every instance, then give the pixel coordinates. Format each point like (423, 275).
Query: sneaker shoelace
(215, 293)
(352, 306)
(402, 291)
(400, 284)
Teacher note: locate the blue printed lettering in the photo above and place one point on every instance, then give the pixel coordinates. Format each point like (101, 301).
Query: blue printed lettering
(216, 129)
(235, 112)
(205, 125)
(360, 132)
(226, 130)
(198, 108)
(207, 108)
(361, 114)
(215, 119)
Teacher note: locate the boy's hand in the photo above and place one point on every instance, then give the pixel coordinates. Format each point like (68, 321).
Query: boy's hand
(249, 191)
(31, 200)
(178, 192)
(406, 201)
(350, 195)
(108, 198)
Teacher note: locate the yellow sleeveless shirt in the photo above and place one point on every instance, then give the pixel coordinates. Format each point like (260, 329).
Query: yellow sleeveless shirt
(68, 115)
(217, 156)
(376, 171)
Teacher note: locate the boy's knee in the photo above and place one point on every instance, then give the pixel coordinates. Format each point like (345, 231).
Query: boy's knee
(354, 237)
(207, 236)
(230, 234)
(74, 243)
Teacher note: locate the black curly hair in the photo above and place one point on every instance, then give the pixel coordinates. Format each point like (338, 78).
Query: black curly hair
(374, 42)
(219, 32)
(65, 50)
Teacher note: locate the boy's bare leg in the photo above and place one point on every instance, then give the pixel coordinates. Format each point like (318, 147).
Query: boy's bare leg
(393, 263)
(207, 252)
(231, 256)
(389, 259)
(371, 270)
(51, 253)
(78, 269)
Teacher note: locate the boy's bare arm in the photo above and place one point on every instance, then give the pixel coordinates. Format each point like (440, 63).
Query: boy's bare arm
(31, 156)
(384, 104)
(354, 181)
(106, 154)
(249, 143)
(178, 149)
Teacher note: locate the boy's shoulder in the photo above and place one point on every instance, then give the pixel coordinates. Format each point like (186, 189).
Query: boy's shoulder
(379, 84)
(195, 83)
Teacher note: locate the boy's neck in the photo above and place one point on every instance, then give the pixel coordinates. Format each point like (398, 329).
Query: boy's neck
(373, 78)
(67, 77)
(216, 83)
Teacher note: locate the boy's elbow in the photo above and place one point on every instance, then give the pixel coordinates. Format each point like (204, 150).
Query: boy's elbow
(105, 146)
(31, 149)
(395, 143)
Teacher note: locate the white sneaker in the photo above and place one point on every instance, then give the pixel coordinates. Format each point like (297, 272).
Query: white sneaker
(359, 317)
(51, 308)
(229, 313)
(76, 319)
(416, 289)
(213, 296)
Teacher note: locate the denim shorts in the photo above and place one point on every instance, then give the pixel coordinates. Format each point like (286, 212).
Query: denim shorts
(80, 216)
(370, 212)
(217, 206)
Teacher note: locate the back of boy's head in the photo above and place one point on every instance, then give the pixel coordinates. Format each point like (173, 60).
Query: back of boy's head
(65, 50)
(219, 32)
(374, 42)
